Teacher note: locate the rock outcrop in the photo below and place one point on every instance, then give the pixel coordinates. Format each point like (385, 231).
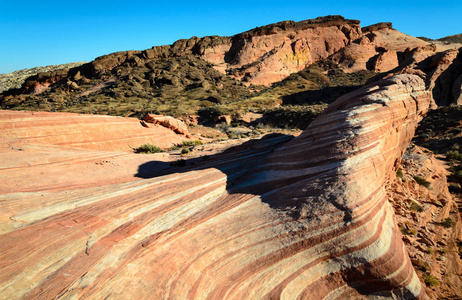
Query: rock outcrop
(420, 207)
(309, 219)
(260, 56)
(15, 79)
(443, 79)
(168, 122)
(86, 131)
(193, 75)
(377, 49)
(442, 72)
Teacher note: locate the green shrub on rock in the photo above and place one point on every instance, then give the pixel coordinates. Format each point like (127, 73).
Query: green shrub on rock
(453, 155)
(430, 280)
(422, 181)
(148, 149)
(448, 223)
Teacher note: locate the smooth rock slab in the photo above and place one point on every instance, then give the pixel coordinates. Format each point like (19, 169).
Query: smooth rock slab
(308, 220)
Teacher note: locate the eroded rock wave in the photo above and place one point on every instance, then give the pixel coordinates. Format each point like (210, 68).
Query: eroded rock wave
(309, 220)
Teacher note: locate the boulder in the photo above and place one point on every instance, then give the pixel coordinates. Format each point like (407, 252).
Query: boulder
(224, 119)
(169, 122)
(386, 61)
(72, 85)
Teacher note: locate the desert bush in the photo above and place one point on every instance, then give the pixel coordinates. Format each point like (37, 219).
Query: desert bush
(448, 223)
(192, 143)
(458, 174)
(430, 280)
(399, 173)
(175, 147)
(185, 151)
(416, 207)
(148, 149)
(408, 230)
(453, 155)
(422, 265)
(422, 181)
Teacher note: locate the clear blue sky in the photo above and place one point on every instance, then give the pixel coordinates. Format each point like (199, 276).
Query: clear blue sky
(38, 33)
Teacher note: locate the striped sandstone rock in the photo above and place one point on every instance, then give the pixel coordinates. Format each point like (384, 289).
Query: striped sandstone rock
(304, 219)
(85, 131)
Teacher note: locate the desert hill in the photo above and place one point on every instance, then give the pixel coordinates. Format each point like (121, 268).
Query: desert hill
(456, 38)
(200, 79)
(353, 206)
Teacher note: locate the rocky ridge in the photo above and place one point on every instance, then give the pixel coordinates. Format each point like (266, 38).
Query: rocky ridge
(15, 80)
(212, 76)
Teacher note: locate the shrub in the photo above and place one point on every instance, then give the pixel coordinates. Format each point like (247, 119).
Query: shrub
(430, 280)
(458, 174)
(416, 207)
(192, 143)
(453, 155)
(399, 173)
(176, 147)
(422, 265)
(422, 181)
(448, 223)
(185, 151)
(408, 230)
(147, 149)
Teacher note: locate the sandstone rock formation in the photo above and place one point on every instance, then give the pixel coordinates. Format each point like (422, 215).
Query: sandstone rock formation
(433, 248)
(168, 122)
(308, 220)
(442, 80)
(260, 56)
(377, 49)
(86, 131)
(201, 72)
(442, 71)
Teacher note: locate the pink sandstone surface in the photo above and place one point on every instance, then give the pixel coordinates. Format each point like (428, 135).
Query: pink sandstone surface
(86, 131)
(308, 219)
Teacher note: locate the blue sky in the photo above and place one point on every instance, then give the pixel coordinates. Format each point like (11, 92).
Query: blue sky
(39, 33)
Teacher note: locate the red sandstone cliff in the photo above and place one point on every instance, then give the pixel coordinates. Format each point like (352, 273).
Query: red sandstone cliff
(266, 54)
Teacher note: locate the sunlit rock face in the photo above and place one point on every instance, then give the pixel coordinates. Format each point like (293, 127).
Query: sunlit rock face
(303, 219)
(95, 132)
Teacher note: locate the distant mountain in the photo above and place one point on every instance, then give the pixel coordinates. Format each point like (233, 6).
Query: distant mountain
(457, 38)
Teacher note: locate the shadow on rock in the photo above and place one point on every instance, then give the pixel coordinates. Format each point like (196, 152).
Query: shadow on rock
(236, 162)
